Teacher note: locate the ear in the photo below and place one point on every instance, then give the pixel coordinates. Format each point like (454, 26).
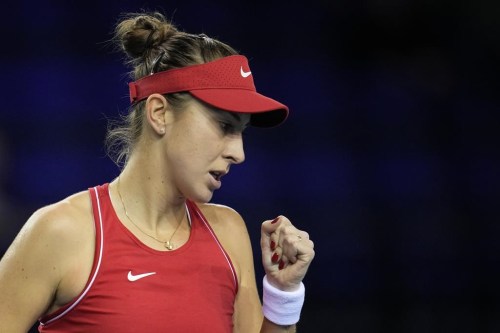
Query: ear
(157, 113)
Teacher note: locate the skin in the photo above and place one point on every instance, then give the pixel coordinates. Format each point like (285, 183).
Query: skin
(50, 260)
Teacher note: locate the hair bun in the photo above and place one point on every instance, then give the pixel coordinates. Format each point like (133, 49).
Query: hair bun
(139, 33)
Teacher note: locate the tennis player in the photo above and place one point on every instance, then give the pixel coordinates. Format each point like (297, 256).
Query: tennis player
(147, 252)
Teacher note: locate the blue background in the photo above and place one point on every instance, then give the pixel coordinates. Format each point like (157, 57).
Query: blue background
(389, 159)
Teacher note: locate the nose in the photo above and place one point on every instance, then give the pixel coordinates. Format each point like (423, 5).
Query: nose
(234, 149)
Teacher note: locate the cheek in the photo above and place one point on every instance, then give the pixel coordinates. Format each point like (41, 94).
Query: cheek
(199, 138)
(193, 145)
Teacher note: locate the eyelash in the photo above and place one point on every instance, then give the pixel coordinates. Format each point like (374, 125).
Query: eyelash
(229, 128)
(226, 127)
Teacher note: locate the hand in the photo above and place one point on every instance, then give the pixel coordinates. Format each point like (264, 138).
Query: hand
(287, 253)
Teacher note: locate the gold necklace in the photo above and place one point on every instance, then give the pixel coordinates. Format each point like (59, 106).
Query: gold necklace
(168, 244)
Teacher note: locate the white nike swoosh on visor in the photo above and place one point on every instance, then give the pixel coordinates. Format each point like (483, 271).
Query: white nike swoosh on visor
(243, 73)
(133, 278)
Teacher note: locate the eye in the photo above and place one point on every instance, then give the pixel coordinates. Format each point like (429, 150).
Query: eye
(226, 127)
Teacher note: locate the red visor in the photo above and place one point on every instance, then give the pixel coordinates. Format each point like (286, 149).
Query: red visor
(225, 84)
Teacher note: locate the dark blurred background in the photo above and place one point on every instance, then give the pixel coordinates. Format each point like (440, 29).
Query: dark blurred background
(389, 158)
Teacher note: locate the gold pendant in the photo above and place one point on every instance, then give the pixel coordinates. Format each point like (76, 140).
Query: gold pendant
(169, 245)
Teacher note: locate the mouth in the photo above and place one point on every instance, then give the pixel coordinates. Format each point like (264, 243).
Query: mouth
(217, 175)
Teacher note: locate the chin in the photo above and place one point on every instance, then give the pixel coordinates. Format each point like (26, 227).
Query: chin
(201, 197)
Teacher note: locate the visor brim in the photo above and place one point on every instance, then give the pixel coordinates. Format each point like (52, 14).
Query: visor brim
(265, 111)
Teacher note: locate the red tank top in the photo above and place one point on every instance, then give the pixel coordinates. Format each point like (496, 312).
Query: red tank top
(133, 288)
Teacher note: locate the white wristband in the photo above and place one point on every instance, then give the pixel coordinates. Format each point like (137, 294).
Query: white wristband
(282, 307)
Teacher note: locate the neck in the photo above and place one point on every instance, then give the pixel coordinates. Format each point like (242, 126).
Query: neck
(149, 197)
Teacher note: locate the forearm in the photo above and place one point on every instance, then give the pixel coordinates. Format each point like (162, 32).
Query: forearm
(270, 327)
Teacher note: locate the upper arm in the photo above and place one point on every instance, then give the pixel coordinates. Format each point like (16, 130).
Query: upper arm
(32, 268)
(232, 233)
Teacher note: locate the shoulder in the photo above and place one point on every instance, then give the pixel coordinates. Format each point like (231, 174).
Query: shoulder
(54, 233)
(232, 232)
(62, 219)
(45, 253)
(226, 222)
(220, 215)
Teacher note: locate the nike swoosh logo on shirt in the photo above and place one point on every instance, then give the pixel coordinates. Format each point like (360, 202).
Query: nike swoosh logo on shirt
(243, 73)
(131, 277)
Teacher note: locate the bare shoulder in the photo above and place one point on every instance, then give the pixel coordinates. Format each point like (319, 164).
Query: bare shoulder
(224, 220)
(44, 254)
(220, 213)
(54, 233)
(64, 220)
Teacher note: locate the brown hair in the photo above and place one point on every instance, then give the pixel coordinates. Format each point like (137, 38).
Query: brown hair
(153, 44)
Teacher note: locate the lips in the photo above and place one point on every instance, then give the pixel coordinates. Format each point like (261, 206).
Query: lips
(217, 175)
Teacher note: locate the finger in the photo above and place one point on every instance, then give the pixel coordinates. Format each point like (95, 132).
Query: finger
(305, 247)
(283, 262)
(282, 239)
(303, 234)
(287, 235)
(290, 250)
(296, 245)
(276, 256)
(270, 226)
(273, 240)
(304, 254)
(268, 230)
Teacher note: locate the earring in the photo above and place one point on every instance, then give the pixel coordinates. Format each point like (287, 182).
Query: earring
(162, 130)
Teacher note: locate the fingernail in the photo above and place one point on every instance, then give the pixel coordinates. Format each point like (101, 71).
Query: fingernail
(275, 220)
(281, 265)
(273, 245)
(275, 258)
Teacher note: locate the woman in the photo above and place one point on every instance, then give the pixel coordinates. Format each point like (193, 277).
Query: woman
(146, 252)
